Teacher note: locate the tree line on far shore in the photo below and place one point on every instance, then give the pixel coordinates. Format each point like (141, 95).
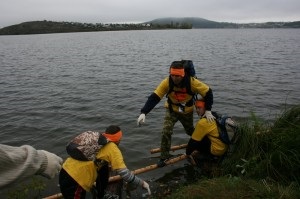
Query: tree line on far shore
(46, 27)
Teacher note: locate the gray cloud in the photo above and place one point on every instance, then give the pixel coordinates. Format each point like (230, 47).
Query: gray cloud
(100, 11)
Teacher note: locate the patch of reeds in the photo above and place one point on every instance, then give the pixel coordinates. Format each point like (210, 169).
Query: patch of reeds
(268, 151)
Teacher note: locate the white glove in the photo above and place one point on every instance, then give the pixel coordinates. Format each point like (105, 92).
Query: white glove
(209, 116)
(141, 119)
(53, 164)
(147, 187)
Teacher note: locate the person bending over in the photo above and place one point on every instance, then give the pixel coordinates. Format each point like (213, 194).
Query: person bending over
(78, 177)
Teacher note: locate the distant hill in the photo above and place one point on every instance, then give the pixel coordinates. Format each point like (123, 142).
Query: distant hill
(204, 23)
(195, 22)
(40, 27)
(45, 27)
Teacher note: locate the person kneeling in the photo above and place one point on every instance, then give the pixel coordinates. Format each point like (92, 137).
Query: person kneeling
(205, 144)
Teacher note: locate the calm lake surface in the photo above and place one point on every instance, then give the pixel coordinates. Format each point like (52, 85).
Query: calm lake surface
(55, 86)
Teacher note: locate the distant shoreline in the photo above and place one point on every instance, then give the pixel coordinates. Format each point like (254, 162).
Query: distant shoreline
(48, 27)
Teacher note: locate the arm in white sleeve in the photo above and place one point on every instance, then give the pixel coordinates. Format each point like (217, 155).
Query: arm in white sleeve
(19, 163)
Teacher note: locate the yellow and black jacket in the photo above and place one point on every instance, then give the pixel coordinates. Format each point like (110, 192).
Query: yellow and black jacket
(179, 96)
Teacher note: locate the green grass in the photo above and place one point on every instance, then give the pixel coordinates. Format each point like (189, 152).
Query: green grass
(235, 188)
(265, 163)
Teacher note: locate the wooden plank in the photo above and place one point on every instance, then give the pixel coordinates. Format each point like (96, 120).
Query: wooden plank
(150, 167)
(55, 196)
(173, 148)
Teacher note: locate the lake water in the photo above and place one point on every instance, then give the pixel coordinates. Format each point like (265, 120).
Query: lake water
(54, 86)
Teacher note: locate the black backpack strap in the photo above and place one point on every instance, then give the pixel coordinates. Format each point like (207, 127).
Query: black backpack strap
(100, 163)
(170, 105)
(171, 86)
(216, 115)
(187, 82)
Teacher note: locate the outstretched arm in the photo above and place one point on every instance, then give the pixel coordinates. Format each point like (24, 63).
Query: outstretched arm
(133, 180)
(152, 101)
(150, 104)
(19, 163)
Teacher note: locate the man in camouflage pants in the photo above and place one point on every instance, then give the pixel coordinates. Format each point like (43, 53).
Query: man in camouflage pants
(179, 105)
(169, 121)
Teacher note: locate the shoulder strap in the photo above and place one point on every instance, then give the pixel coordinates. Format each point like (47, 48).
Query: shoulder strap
(171, 86)
(222, 120)
(188, 80)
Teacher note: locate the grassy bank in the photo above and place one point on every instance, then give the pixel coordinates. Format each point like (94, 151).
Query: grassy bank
(265, 163)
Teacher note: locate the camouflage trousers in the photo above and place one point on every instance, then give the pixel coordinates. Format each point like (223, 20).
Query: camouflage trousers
(169, 121)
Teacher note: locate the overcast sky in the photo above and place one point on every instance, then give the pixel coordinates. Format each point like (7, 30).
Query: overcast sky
(121, 11)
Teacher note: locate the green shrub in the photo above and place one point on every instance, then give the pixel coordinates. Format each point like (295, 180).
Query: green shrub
(268, 151)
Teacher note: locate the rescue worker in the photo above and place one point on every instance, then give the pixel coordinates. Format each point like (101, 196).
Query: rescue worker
(179, 106)
(205, 144)
(77, 177)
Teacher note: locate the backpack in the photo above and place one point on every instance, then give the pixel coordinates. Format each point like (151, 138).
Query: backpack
(189, 68)
(227, 128)
(85, 146)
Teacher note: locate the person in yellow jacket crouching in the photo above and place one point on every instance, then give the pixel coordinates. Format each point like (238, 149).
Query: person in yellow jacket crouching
(205, 143)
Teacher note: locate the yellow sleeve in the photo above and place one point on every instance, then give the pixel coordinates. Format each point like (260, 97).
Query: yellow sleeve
(203, 128)
(199, 87)
(112, 154)
(210, 129)
(163, 88)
